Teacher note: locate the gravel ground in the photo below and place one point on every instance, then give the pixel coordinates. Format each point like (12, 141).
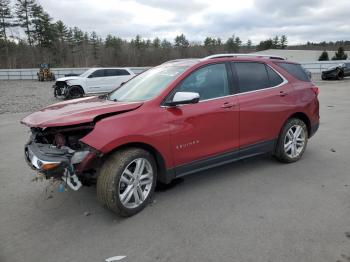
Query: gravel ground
(19, 96)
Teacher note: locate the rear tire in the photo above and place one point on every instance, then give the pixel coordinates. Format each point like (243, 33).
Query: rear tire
(127, 181)
(292, 141)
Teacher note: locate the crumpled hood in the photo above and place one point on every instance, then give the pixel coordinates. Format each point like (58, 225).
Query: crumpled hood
(78, 111)
(67, 78)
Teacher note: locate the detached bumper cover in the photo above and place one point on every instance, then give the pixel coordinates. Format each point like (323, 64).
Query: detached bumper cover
(37, 155)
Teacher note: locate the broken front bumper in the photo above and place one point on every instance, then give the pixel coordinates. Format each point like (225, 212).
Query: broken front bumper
(55, 162)
(51, 161)
(61, 89)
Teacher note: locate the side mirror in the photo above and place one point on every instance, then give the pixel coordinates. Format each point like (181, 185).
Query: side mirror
(181, 98)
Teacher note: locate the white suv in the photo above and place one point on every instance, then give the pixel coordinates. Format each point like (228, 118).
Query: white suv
(92, 81)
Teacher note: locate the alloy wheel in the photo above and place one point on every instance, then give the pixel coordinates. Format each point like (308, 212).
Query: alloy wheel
(135, 183)
(294, 141)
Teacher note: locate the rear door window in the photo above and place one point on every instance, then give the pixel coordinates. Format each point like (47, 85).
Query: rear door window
(295, 70)
(251, 76)
(274, 78)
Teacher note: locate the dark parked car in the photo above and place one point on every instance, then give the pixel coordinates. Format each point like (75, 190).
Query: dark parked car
(337, 72)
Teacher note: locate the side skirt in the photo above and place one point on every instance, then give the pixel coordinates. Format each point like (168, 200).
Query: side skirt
(221, 159)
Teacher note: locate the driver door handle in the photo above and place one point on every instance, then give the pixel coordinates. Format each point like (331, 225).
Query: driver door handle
(228, 105)
(283, 93)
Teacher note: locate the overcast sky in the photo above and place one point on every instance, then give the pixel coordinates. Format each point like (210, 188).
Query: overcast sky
(300, 20)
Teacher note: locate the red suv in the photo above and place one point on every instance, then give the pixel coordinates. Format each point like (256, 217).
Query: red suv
(178, 118)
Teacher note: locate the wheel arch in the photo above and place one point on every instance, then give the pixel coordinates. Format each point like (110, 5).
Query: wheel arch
(79, 87)
(162, 174)
(303, 117)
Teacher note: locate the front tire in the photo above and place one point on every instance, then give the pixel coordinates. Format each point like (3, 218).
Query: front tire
(340, 75)
(292, 141)
(127, 181)
(75, 92)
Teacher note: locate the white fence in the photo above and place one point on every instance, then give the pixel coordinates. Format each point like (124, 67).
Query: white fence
(31, 73)
(319, 66)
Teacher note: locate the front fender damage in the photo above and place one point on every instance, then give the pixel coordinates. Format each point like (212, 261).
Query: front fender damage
(57, 153)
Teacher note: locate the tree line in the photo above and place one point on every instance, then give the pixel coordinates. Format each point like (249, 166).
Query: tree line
(339, 55)
(46, 41)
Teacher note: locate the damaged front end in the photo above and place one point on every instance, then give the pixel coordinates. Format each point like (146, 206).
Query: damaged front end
(57, 153)
(61, 89)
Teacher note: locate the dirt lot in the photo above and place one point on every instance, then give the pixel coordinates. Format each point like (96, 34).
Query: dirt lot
(25, 96)
(253, 210)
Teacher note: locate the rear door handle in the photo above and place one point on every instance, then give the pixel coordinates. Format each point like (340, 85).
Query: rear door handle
(228, 105)
(283, 93)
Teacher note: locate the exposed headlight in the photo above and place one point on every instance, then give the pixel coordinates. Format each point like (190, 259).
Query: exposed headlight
(79, 156)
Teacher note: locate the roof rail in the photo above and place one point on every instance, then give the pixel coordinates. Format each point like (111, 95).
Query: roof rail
(178, 60)
(244, 55)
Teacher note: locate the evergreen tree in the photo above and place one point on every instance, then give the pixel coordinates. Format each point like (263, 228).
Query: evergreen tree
(24, 15)
(43, 30)
(340, 55)
(264, 45)
(208, 41)
(94, 40)
(148, 43)
(138, 42)
(78, 36)
(238, 42)
(283, 41)
(276, 42)
(5, 18)
(181, 41)
(232, 45)
(165, 44)
(156, 42)
(113, 42)
(249, 43)
(61, 31)
(323, 56)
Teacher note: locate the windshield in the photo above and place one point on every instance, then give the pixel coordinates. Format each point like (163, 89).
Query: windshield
(148, 84)
(335, 66)
(87, 73)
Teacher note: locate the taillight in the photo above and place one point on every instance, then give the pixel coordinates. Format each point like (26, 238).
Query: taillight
(316, 90)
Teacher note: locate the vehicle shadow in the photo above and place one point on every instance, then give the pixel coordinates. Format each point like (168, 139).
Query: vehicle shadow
(85, 204)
